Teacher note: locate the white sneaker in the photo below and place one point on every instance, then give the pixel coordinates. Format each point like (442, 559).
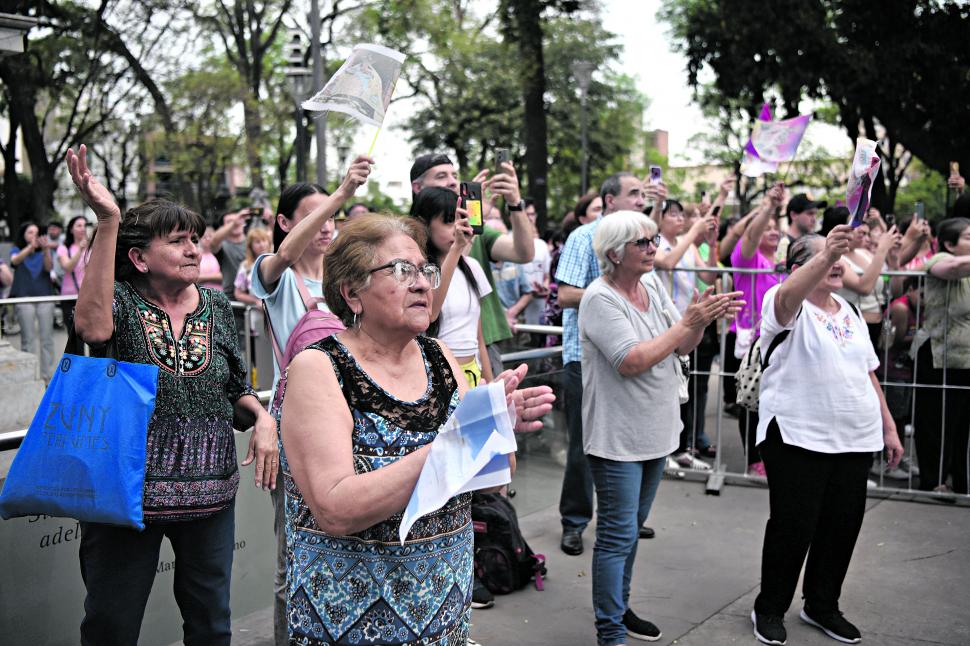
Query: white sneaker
(907, 465)
(896, 473)
(871, 484)
(688, 461)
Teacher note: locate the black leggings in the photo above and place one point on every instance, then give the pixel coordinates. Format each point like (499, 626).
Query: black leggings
(942, 450)
(817, 503)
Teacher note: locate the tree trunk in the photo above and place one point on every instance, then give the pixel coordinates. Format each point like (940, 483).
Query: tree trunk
(16, 72)
(253, 120)
(528, 33)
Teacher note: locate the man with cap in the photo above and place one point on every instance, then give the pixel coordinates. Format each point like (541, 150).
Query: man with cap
(491, 245)
(802, 213)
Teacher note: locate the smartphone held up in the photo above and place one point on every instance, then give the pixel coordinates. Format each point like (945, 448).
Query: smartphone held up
(471, 200)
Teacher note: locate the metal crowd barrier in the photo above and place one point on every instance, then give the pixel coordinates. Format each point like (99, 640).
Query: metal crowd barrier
(720, 473)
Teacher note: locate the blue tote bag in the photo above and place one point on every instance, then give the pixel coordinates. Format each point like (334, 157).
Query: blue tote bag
(84, 454)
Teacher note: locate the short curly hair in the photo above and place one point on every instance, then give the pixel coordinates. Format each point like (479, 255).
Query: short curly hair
(353, 253)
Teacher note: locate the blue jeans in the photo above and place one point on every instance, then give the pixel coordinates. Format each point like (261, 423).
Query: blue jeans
(576, 499)
(118, 567)
(624, 494)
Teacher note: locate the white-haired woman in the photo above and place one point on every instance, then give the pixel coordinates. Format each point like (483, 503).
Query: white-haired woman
(630, 330)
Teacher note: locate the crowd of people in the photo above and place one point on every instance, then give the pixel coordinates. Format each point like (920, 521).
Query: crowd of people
(643, 285)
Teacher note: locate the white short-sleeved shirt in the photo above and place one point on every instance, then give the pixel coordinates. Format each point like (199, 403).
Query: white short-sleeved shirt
(679, 284)
(461, 310)
(284, 304)
(817, 382)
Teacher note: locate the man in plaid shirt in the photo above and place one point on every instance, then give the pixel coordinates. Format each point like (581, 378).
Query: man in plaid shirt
(577, 269)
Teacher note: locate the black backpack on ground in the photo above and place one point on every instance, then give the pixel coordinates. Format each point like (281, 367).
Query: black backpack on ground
(504, 562)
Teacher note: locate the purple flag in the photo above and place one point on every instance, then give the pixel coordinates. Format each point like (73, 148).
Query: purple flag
(751, 163)
(777, 141)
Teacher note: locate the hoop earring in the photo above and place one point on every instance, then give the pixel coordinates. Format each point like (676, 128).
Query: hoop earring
(356, 322)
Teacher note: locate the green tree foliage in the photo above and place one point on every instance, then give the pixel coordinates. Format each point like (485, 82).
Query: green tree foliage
(927, 186)
(207, 144)
(247, 31)
(464, 77)
(76, 79)
(902, 66)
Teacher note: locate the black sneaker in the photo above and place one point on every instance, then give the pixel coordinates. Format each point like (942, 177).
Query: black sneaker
(834, 625)
(769, 629)
(640, 628)
(481, 597)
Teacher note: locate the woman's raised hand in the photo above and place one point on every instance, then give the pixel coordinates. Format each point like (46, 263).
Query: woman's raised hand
(94, 194)
(463, 230)
(356, 175)
(839, 241)
(890, 240)
(709, 306)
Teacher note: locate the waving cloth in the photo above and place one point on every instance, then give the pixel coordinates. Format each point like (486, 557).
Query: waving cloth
(772, 142)
(363, 85)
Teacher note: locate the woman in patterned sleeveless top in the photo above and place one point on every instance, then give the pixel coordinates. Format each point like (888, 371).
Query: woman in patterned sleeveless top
(140, 293)
(358, 416)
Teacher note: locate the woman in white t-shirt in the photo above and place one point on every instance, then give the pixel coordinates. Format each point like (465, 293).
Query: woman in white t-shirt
(456, 305)
(821, 416)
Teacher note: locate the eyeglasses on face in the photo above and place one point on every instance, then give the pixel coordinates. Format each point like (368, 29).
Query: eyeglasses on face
(406, 272)
(642, 243)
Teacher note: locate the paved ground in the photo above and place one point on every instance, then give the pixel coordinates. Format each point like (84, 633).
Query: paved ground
(908, 584)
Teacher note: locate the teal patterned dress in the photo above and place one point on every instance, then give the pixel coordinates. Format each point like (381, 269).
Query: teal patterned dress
(367, 588)
(191, 469)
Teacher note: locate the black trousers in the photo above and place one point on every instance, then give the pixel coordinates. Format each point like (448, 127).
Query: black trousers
(731, 365)
(817, 504)
(576, 497)
(942, 451)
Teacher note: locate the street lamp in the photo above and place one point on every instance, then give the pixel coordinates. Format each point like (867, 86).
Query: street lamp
(583, 71)
(298, 75)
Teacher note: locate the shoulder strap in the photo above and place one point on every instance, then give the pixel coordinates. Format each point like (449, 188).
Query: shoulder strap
(309, 301)
(775, 342)
(277, 350)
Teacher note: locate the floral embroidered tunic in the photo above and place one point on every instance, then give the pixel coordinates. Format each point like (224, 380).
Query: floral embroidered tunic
(367, 588)
(191, 469)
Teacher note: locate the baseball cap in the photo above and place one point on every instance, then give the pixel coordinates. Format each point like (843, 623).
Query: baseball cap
(803, 202)
(424, 162)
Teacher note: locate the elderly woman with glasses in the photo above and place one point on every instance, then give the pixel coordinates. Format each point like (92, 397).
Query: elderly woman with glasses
(359, 412)
(821, 416)
(630, 331)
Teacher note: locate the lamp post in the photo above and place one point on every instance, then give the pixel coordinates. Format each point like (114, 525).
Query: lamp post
(583, 71)
(298, 75)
